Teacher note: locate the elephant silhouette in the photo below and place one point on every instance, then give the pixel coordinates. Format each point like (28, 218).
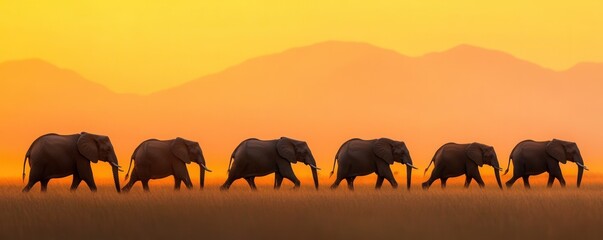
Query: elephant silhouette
(359, 157)
(532, 158)
(56, 156)
(254, 157)
(155, 159)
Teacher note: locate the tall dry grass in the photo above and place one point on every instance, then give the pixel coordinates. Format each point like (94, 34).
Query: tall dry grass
(453, 213)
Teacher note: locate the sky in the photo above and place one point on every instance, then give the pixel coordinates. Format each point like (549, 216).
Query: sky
(145, 46)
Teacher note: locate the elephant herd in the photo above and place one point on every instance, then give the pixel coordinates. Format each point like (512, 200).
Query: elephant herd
(56, 156)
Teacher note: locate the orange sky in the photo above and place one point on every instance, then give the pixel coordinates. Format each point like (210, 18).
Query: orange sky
(146, 46)
(272, 69)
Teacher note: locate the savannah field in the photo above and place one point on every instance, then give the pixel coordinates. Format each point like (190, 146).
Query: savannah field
(453, 213)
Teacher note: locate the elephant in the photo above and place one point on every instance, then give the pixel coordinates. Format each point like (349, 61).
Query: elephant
(358, 157)
(254, 158)
(532, 158)
(453, 159)
(155, 159)
(56, 156)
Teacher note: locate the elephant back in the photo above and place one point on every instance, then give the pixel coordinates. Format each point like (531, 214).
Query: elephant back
(254, 148)
(359, 145)
(357, 148)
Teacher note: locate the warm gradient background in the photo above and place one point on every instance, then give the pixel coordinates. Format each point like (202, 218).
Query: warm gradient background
(425, 72)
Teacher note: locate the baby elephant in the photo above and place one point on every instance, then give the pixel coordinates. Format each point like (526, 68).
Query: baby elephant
(359, 157)
(453, 160)
(155, 159)
(254, 157)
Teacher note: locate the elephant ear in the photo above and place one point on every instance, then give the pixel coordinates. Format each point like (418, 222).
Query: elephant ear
(180, 150)
(286, 150)
(383, 149)
(556, 150)
(474, 152)
(88, 147)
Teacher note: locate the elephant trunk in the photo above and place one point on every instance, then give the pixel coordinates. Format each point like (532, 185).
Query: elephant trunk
(581, 168)
(115, 168)
(202, 178)
(116, 178)
(312, 163)
(497, 174)
(315, 177)
(408, 176)
(579, 179)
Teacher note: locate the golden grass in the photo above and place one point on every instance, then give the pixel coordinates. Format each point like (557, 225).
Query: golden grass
(453, 213)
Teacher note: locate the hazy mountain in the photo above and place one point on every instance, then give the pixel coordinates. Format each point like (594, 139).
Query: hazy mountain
(323, 93)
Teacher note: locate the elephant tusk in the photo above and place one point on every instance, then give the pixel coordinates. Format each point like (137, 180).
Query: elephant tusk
(498, 168)
(410, 165)
(115, 165)
(204, 167)
(582, 166)
(312, 165)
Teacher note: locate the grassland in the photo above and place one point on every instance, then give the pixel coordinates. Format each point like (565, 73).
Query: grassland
(453, 213)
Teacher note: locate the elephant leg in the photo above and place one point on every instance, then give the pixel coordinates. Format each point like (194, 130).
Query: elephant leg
(479, 180)
(427, 183)
(84, 171)
(509, 183)
(133, 179)
(287, 172)
(34, 177)
(555, 172)
(385, 171)
(228, 182)
(278, 180)
(379, 182)
(549, 183)
(526, 181)
(561, 180)
(177, 183)
(467, 181)
(29, 185)
(44, 184)
(75, 182)
(145, 185)
(337, 182)
(350, 181)
(91, 184)
(180, 172)
(437, 170)
(188, 183)
(443, 181)
(295, 181)
(392, 181)
(251, 182)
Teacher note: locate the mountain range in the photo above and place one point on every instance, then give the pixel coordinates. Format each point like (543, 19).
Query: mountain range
(323, 93)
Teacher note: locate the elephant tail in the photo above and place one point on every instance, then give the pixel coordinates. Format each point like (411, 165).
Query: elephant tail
(508, 165)
(333, 170)
(128, 173)
(337, 154)
(28, 154)
(25, 161)
(235, 152)
(434, 157)
(229, 163)
(134, 155)
(432, 160)
(511, 155)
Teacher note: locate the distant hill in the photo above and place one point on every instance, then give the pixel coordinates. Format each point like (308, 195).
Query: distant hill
(324, 93)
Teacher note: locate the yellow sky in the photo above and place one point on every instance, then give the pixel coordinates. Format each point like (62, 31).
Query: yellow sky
(145, 46)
